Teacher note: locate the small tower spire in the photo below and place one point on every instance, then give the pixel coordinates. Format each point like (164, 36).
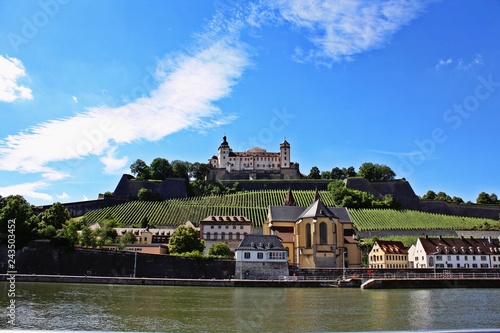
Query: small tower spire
(316, 195)
(289, 200)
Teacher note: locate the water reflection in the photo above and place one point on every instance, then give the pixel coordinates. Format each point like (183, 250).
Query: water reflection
(205, 309)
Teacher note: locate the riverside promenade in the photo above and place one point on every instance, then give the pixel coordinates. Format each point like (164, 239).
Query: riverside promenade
(365, 281)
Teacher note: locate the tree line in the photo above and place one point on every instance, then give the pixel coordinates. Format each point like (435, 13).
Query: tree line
(56, 225)
(371, 171)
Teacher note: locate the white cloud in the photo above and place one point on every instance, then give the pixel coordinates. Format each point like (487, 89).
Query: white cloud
(184, 99)
(11, 70)
(85, 198)
(27, 190)
(462, 65)
(75, 99)
(341, 29)
(63, 196)
(55, 175)
(443, 62)
(113, 165)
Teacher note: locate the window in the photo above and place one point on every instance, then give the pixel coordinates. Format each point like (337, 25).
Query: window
(483, 258)
(308, 236)
(223, 235)
(247, 255)
(238, 236)
(466, 258)
(323, 234)
(230, 235)
(439, 258)
(215, 235)
(449, 258)
(260, 255)
(208, 235)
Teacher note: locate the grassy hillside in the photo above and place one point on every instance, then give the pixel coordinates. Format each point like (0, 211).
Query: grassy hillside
(254, 205)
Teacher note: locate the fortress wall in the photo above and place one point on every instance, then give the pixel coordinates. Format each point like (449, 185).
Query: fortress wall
(43, 258)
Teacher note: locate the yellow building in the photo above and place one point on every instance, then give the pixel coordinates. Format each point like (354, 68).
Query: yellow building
(388, 254)
(316, 236)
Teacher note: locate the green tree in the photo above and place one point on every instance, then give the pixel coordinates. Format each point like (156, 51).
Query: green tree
(349, 172)
(326, 175)
(337, 173)
(68, 234)
(486, 199)
(87, 237)
(185, 239)
(376, 172)
(15, 207)
(442, 196)
(430, 195)
(140, 170)
(220, 249)
(127, 238)
(160, 169)
(180, 169)
(314, 173)
(55, 216)
(199, 171)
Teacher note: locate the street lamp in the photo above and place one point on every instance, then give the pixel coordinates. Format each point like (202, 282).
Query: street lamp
(343, 265)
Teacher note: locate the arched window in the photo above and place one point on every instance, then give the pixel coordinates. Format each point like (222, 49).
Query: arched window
(215, 235)
(238, 236)
(308, 236)
(230, 235)
(323, 233)
(208, 235)
(223, 235)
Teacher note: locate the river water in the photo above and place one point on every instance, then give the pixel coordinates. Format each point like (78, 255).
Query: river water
(59, 306)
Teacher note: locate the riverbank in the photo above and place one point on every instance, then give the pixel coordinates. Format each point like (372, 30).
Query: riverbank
(169, 281)
(374, 283)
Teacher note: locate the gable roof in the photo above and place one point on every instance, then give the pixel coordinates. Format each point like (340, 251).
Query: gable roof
(462, 245)
(392, 247)
(317, 209)
(293, 213)
(262, 242)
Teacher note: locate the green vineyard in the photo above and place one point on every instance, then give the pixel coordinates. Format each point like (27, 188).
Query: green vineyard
(390, 219)
(254, 205)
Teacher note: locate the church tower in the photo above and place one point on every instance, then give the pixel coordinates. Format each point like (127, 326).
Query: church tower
(285, 154)
(223, 155)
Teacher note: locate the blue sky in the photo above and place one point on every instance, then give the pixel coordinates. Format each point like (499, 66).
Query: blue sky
(87, 87)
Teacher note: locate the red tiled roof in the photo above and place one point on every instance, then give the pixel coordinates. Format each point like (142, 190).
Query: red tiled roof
(460, 245)
(392, 247)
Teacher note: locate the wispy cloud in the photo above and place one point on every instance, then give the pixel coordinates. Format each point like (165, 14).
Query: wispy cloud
(340, 30)
(11, 70)
(461, 64)
(442, 63)
(112, 164)
(63, 196)
(184, 99)
(30, 190)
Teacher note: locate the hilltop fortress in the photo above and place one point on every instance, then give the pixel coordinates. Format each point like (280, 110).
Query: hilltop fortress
(255, 163)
